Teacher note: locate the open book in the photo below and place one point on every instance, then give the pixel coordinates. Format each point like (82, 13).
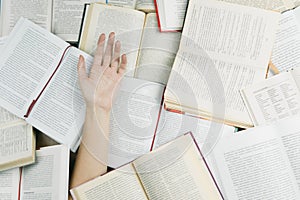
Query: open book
(286, 49)
(273, 99)
(174, 171)
(17, 141)
(218, 56)
(171, 14)
(262, 162)
(139, 123)
(38, 82)
(48, 178)
(61, 17)
(140, 38)
(143, 5)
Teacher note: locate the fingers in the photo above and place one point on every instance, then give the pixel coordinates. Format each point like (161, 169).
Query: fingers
(109, 50)
(123, 65)
(98, 54)
(81, 68)
(116, 59)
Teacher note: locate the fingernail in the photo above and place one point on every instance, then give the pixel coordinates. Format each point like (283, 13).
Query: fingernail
(112, 34)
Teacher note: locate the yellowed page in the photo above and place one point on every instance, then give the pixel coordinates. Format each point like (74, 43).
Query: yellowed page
(157, 52)
(126, 23)
(122, 183)
(176, 171)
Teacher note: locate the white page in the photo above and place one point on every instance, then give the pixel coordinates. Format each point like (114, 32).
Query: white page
(2, 42)
(60, 111)
(38, 11)
(290, 135)
(48, 178)
(122, 3)
(9, 184)
(127, 25)
(133, 120)
(157, 52)
(216, 61)
(172, 125)
(175, 11)
(286, 47)
(254, 165)
(273, 99)
(67, 16)
(30, 56)
(278, 5)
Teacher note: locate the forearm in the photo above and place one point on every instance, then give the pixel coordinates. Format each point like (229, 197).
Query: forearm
(92, 155)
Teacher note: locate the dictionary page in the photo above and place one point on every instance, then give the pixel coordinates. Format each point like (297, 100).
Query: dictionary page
(39, 11)
(67, 16)
(272, 99)
(133, 120)
(30, 57)
(48, 178)
(176, 171)
(157, 52)
(218, 56)
(254, 165)
(126, 23)
(9, 184)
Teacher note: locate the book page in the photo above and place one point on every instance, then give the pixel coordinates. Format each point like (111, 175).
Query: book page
(157, 52)
(254, 165)
(296, 2)
(122, 183)
(133, 120)
(9, 184)
(39, 11)
(290, 136)
(48, 178)
(67, 16)
(17, 145)
(277, 5)
(145, 5)
(222, 50)
(273, 99)
(6, 117)
(60, 111)
(2, 42)
(126, 23)
(176, 171)
(122, 3)
(30, 57)
(286, 47)
(175, 11)
(172, 125)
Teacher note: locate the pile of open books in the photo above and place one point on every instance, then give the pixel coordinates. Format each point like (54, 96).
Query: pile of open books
(198, 71)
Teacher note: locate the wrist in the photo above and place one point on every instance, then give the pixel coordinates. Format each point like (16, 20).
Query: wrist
(96, 110)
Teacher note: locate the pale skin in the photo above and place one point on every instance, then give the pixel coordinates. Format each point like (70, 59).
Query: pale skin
(98, 89)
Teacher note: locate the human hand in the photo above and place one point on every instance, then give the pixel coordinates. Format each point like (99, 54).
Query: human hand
(98, 87)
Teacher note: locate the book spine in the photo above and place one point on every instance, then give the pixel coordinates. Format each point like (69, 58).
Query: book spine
(35, 100)
(213, 178)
